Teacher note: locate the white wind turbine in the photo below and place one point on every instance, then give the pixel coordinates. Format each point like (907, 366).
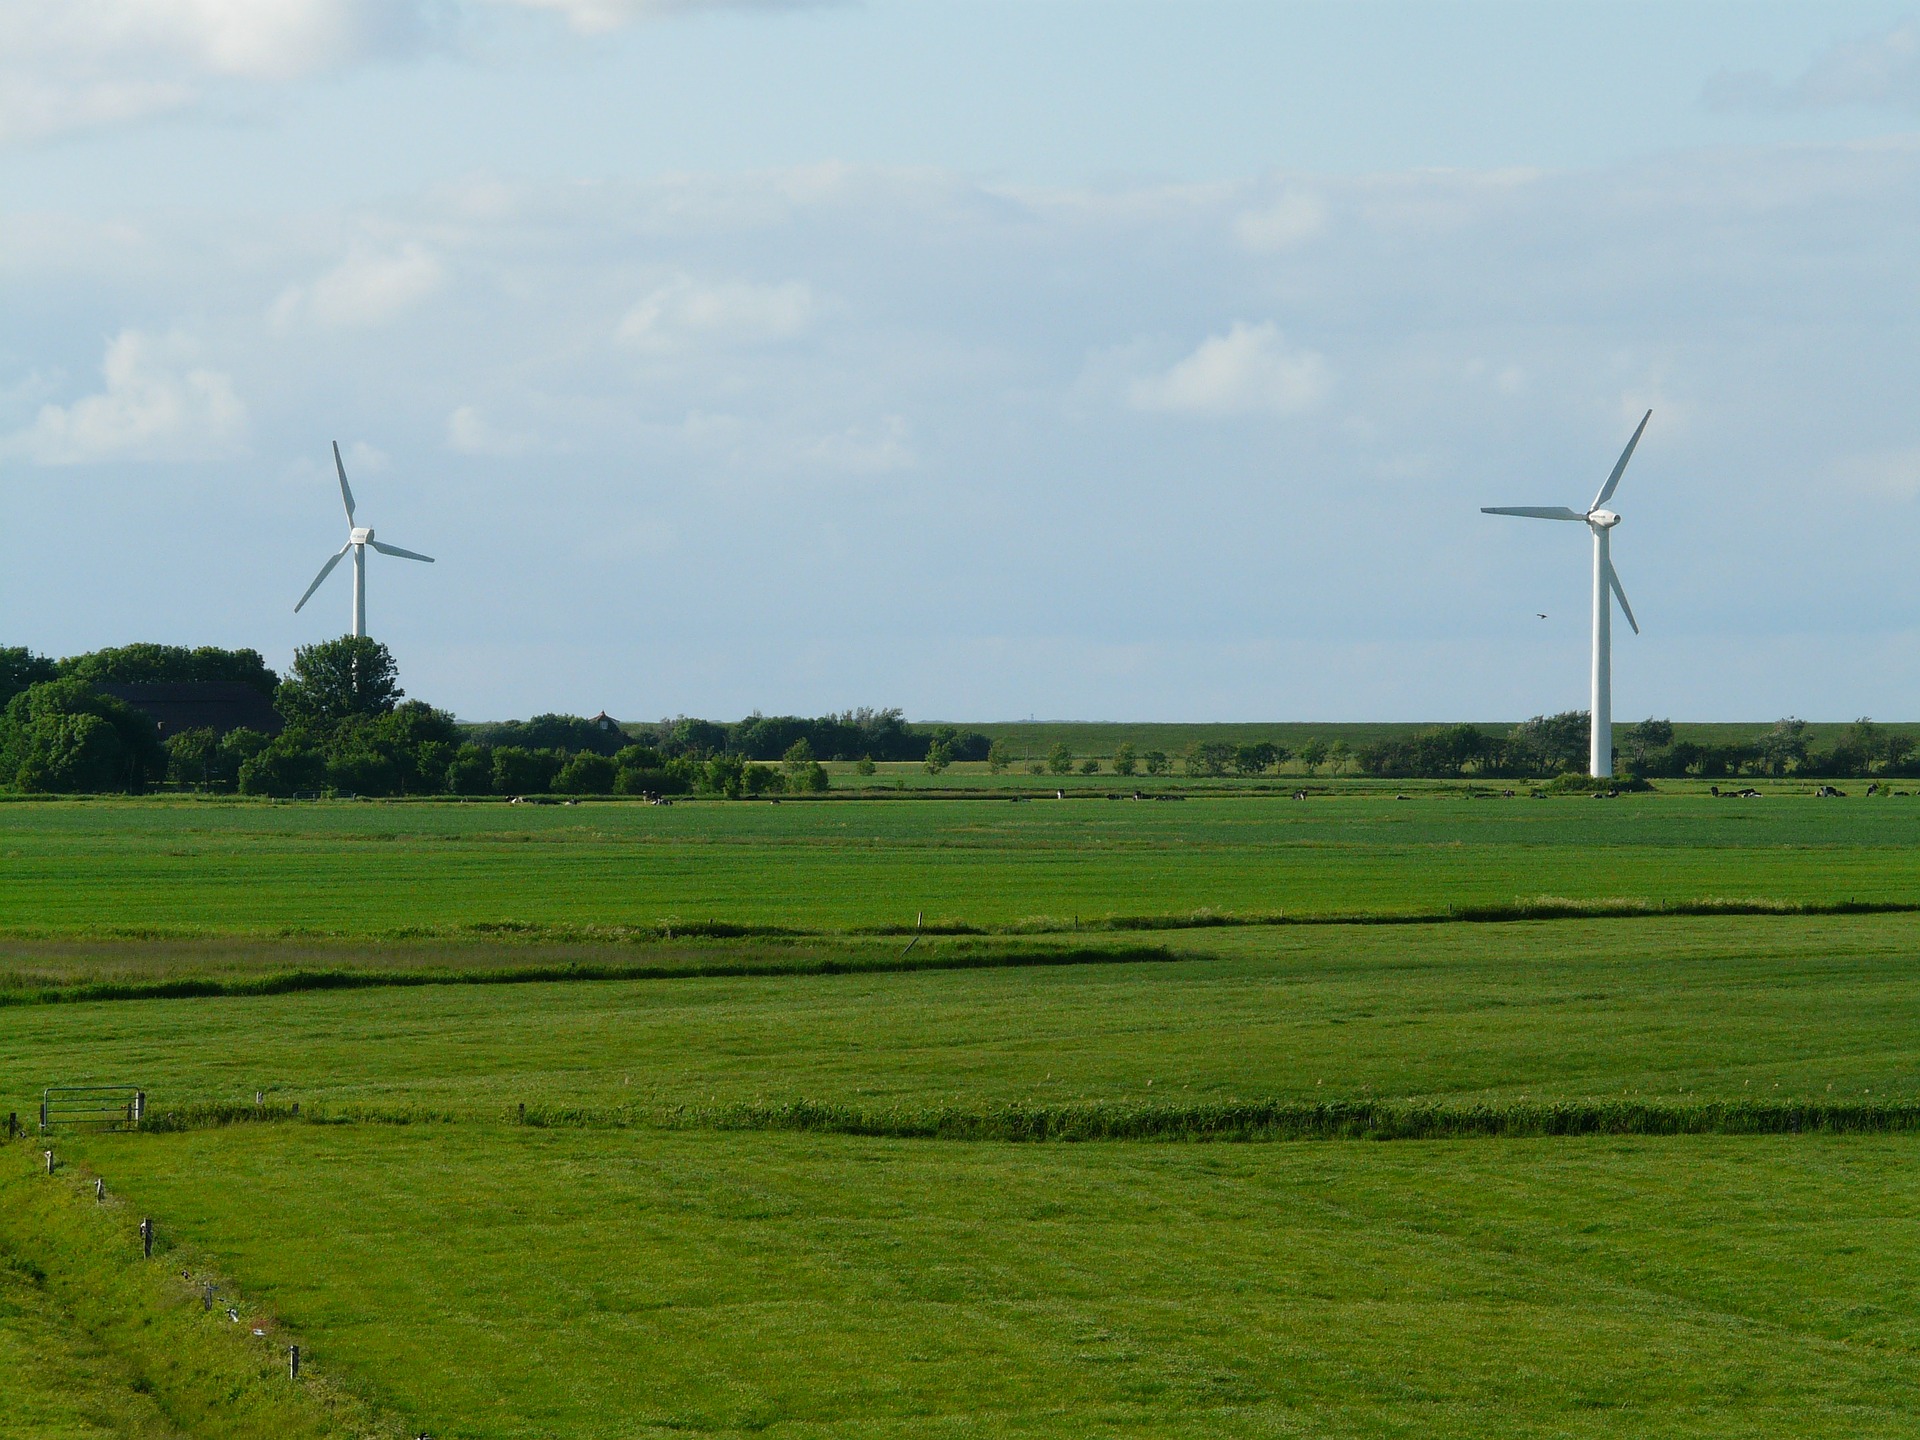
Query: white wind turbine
(1601, 523)
(358, 538)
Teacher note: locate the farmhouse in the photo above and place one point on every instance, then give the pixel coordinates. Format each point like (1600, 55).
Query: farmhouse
(217, 705)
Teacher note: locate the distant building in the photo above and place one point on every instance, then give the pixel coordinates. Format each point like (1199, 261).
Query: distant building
(216, 705)
(606, 724)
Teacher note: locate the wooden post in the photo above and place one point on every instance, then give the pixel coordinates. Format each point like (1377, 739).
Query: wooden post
(49, 1162)
(293, 1362)
(100, 1191)
(146, 1238)
(139, 1106)
(206, 1296)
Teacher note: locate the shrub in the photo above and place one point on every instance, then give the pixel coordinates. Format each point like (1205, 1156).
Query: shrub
(1060, 759)
(286, 767)
(1124, 760)
(586, 774)
(1090, 766)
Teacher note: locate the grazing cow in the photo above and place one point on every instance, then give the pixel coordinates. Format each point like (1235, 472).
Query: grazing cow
(1827, 792)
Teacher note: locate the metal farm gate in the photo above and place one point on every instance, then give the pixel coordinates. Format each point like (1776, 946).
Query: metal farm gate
(98, 1106)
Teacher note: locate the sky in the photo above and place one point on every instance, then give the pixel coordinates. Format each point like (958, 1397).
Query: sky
(1079, 359)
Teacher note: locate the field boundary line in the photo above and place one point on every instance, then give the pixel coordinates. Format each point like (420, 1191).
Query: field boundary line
(1492, 912)
(291, 982)
(1223, 1121)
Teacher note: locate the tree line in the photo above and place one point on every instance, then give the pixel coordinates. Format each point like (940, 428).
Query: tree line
(1550, 745)
(350, 730)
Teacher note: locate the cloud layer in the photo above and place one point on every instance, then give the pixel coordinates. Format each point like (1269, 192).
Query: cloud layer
(827, 435)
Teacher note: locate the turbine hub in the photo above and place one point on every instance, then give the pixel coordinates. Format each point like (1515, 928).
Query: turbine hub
(361, 535)
(1599, 519)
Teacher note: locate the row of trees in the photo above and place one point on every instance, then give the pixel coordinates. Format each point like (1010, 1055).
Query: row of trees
(1558, 744)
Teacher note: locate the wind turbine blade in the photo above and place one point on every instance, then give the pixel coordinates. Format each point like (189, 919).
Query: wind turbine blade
(1606, 490)
(386, 549)
(1613, 579)
(346, 494)
(325, 570)
(1534, 512)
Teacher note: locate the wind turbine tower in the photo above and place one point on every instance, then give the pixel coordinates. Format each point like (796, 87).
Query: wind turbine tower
(1600, 521)
(359, 537)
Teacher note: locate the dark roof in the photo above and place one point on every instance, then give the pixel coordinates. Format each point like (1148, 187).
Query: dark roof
(218, 705)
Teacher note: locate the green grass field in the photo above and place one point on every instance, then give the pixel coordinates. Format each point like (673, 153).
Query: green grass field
(372, 870)
(655, 1248)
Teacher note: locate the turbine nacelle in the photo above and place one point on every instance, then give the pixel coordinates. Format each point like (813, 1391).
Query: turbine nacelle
(360, 535)
(1599, 519)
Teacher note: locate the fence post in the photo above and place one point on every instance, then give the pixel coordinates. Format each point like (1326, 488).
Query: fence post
(43, 1114)
(139, 1106)
(100, 1190)
(293, 1362)
(49, 1162)
(146, 1238)
(206, 1296)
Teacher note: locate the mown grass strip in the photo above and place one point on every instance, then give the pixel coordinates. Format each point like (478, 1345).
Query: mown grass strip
(1231, 1121)
(290, 982)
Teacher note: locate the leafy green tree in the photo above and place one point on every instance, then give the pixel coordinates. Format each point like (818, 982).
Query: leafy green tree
(762, 780)
(797, 758)
(520, 771)
(146, 664)
(470, 772)
(1784, 747)
(1339, 755)
(1313, 754)
(939, 757)
(237, 747)
(337, 680)
(1209, 757)
(1157, 762)
(1252, 759)
(358, 768)
(586, 773)
(1549, 744)
(45, 746)
(21, 668)
(286, 767)
(1090, 766)
(1644, 739)
(998, 757)
(193, 756)
(724, 775)
(1124, 760)
(1059, 759)
(865, 766)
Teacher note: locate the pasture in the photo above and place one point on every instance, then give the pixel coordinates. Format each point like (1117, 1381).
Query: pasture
(726, 1207)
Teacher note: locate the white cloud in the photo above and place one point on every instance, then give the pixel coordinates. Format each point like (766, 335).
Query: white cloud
(1248, 370)
(687, 315)
(366, 289)
(69, 66)
(1293, 219)
(859, 450)
(593, 17)
(470, 433)
(157, 405)
(1884, 474)
(1880, 69)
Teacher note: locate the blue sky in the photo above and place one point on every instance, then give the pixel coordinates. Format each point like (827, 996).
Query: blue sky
(1099, 360)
